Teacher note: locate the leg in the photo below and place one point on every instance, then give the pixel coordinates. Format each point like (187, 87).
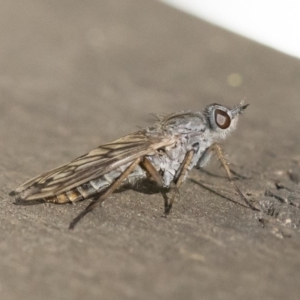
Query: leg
(224, 163)
(180, 178)
(116, 184)
(152, 172)
(146, 164)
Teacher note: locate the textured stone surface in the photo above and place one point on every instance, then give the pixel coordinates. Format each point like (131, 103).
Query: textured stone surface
(76, 74)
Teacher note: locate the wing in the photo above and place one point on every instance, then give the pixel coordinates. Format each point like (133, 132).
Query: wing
(94, 164)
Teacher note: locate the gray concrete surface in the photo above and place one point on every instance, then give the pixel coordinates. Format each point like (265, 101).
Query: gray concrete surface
(75, 74)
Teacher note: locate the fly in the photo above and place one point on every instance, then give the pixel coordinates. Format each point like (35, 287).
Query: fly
(163, 153)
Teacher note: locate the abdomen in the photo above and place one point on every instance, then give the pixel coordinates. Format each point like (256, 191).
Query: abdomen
(96, 186)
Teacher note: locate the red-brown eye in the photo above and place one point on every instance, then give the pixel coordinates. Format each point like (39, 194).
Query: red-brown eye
(222, 119)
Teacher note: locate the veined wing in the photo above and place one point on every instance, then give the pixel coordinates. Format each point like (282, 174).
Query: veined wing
(94, 164)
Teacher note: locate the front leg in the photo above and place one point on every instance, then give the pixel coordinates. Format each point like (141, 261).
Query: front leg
(217, 149)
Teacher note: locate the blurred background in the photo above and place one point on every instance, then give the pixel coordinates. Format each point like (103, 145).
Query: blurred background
(274, 23)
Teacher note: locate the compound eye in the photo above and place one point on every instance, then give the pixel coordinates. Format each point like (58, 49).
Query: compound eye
(222, 119)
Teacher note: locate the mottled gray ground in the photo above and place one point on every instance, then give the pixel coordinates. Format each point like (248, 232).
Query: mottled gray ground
(75, 74)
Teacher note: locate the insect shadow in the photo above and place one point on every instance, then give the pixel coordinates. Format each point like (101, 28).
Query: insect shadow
(204, 186)
(28, 203)
(147, 187)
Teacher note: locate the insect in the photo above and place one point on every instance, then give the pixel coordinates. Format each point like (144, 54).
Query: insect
(163, 153)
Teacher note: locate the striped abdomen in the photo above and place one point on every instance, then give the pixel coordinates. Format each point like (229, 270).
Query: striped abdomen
(81, 192)
(95, 186)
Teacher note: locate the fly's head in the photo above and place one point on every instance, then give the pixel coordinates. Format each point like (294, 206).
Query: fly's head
(222, 120)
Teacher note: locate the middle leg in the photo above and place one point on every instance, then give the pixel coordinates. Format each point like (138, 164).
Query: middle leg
(180, 178)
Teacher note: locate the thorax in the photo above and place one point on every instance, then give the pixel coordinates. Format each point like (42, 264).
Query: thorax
(190, 134)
